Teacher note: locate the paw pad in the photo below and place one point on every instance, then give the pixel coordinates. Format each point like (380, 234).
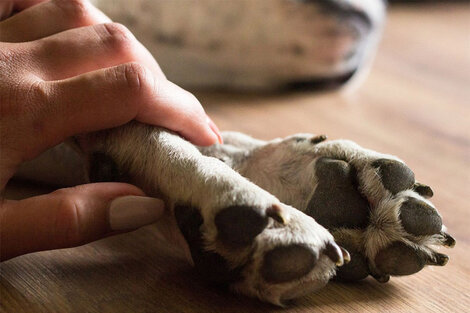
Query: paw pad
(400, 259)
(395, 175)
(283, 264)
(213, 267)
(336, 201)
(419, 218)
(239, 225)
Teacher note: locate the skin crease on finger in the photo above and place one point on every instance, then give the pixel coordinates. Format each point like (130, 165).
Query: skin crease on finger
(38, 112)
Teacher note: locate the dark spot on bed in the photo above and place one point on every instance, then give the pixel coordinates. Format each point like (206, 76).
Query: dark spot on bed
(336, 201)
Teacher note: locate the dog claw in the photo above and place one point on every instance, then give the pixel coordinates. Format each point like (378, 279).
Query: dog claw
(346, 255)
(439, 260)
(338, 255)
(318, 139)
(277, 213)
(423, 190)
(449, 241)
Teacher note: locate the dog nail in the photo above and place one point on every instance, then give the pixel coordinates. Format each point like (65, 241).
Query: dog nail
(423, 190)
(438, 259)
(277, 213)
(335, 254)
(318, 139)
(346, 255)
(131, 212)
(449, 241)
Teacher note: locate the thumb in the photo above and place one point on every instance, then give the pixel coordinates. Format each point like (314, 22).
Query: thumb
(73, 216)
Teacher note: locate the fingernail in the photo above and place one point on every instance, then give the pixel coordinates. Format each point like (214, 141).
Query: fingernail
(131, 212)
(215, 130)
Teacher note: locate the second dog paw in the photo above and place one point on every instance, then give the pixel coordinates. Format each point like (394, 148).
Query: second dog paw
(369, 201)
(272, 251)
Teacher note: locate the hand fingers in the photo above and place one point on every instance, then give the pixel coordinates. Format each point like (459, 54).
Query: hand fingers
(180, 111)
(49, 18)
(111, 97)
(20, 5)
(8, 7)
(86, 49)
(73, 216)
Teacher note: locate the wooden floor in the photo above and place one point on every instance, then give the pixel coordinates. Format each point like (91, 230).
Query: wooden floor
(414, 104)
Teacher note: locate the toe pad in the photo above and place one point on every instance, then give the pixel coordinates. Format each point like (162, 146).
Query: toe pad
(287, 263)
(419, 218)
(239, 225)
(395, 175)
(400, 259)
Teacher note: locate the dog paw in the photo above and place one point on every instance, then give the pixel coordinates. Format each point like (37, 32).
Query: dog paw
(262, 249)
(369, 201)
(388, 223)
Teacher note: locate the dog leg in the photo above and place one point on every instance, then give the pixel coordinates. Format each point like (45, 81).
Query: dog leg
(237, 233)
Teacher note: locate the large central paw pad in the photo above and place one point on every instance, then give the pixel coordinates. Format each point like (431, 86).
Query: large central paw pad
(274, 253)
(376, 210)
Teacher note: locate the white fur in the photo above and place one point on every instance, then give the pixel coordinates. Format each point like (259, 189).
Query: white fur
(251, 44)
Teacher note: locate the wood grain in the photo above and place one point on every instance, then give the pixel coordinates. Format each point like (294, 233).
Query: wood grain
(414, 104)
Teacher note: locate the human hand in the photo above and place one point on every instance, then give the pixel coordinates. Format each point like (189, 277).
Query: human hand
(66, 69)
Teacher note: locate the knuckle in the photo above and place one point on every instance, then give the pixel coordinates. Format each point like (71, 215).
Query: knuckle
(67, 223)
(192, 99)
(7, 55)
(38, 93)
(137, 78)
(35, 109)
(119, 38)
(76, 11)
(36, 96)
(27, 98)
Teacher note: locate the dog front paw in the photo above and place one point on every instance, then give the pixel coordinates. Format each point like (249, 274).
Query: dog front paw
(369, 201)
(399, 227)
(262, 249)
